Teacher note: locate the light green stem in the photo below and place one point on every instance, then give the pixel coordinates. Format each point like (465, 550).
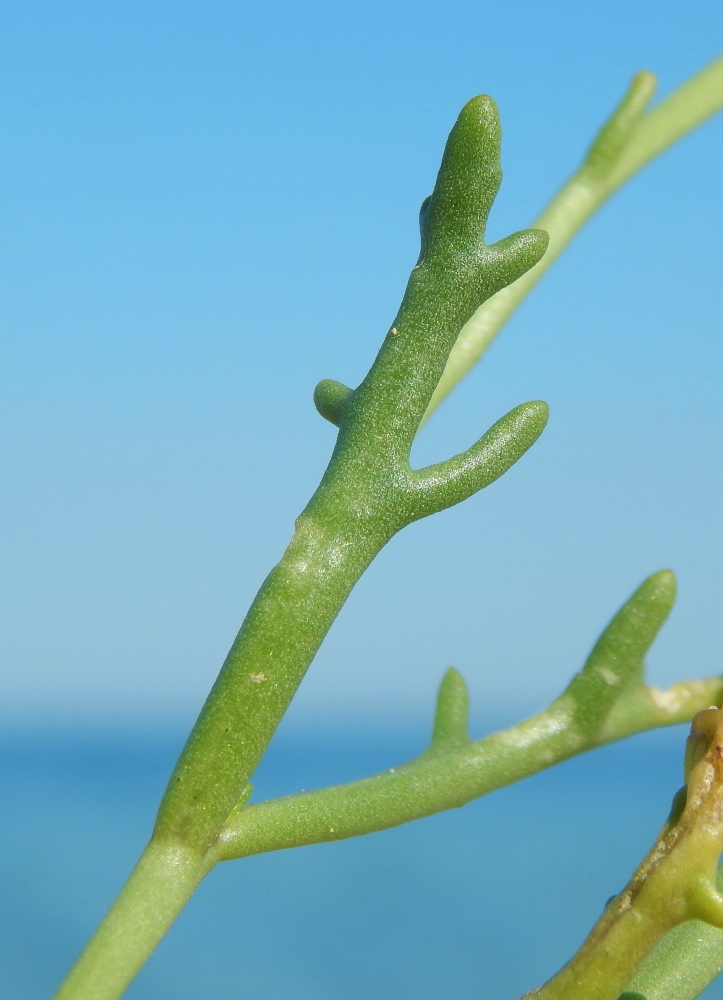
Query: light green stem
(629, 140)
(160, 885)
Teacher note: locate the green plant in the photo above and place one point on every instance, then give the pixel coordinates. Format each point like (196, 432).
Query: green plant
(459, 294)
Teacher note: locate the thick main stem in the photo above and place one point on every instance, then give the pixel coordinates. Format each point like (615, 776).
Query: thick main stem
(279, 638)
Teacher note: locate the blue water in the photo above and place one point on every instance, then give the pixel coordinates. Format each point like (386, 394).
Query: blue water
(482, 902)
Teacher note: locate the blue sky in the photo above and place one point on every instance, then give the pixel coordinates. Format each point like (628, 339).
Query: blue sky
(204, 209)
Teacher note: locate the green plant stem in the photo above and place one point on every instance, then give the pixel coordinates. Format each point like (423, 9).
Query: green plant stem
(629, 140)
(280, 636)
(160, 885)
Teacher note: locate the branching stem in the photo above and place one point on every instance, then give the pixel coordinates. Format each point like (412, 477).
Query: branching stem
(606, 701)
(440, 780)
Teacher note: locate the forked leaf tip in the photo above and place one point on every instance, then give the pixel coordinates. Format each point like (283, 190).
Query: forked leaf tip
(518, 430)
(646, 80)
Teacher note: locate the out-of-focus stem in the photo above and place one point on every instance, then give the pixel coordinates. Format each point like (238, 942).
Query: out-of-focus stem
(629, 140)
